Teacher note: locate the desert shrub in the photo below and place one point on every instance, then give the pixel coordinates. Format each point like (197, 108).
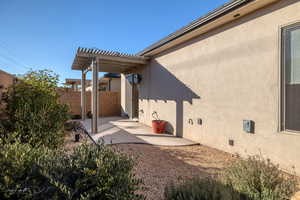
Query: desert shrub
(201, 189)
(20, 173)
(87, 173)
(254, 178)
(33, 110)
(260, 179)
(95, 173)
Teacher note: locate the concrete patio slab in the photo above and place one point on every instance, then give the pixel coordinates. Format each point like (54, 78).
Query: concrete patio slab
(116, 130)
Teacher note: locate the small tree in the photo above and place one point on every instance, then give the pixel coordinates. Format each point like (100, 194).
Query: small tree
(43, 79)
(33, 110)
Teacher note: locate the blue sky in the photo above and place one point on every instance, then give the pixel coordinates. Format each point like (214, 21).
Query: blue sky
(41, 34)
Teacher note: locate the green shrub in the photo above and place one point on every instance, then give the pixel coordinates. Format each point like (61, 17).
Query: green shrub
(96, 173)
(201, 189)
(260, 179)
(33, 111)
(87, 173)
(20, 173)
(255, 178)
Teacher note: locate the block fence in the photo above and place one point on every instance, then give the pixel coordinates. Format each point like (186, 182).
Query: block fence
(110, 102)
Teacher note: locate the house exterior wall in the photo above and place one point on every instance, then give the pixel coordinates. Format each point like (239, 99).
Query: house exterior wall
(6, 80)
(115, 85)
(222, 78)
(126, 96)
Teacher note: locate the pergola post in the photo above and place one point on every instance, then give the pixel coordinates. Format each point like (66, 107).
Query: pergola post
(94, 96)
(83, 98)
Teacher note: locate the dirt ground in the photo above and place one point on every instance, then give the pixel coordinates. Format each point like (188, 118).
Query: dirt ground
(158, 166)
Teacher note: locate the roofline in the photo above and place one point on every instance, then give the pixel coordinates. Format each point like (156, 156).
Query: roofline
(4, 72)
(211, 16)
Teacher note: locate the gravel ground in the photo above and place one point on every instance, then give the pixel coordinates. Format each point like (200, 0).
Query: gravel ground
(70, 143)
(158, 166)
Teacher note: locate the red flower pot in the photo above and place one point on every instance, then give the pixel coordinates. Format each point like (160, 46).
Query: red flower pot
(159, 126)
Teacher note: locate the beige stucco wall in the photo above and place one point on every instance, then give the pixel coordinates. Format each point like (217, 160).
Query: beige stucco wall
(126, 96)
(6, 80)
(223, 77)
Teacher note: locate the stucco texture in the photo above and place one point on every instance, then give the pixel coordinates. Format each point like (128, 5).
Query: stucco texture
(223, 77)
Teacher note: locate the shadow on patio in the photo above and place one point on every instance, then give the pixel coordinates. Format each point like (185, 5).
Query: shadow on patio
(116, 130)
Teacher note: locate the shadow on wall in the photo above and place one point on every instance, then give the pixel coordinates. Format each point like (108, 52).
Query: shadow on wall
(163, 85)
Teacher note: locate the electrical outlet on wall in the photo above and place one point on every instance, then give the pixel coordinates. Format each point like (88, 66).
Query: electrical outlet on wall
(248, 126)
(199, 121)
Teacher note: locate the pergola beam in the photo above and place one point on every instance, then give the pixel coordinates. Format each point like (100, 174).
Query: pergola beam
(116, 70)
(109, 62)
(141, 61)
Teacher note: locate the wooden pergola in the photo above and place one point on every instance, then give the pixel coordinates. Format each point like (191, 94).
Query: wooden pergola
(96, 60)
